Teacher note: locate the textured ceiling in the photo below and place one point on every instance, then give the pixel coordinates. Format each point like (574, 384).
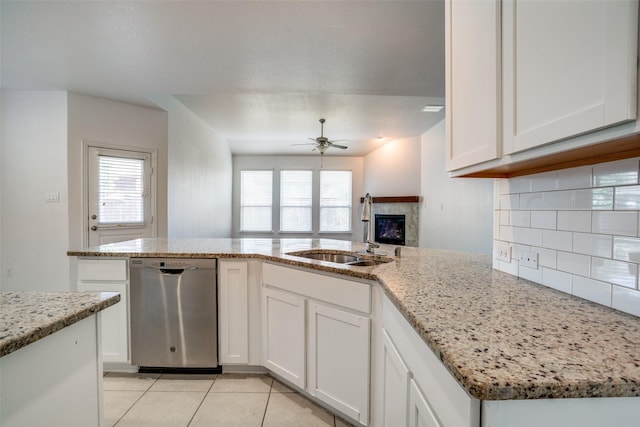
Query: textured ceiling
(261, 73)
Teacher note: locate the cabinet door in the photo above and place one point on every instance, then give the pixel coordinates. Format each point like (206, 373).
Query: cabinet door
(395, 386)
(233, 312)
(420, 414)
(115, 322)
(339, 360)
(283, 323)
(473, 94)
(569, 67)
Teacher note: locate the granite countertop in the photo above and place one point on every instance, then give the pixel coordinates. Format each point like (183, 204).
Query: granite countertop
(500, 336)
(26, 317)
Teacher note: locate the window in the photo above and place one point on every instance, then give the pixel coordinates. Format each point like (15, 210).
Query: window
(255, 200)
(121, 190)
(335, 201)
(295, 200)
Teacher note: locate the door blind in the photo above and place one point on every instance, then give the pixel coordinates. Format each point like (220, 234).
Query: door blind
(120, 190)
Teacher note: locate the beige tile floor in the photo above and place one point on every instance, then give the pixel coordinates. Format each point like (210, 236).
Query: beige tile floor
(208, 400)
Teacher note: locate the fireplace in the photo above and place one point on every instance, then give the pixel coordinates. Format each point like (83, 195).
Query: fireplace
(390, 229)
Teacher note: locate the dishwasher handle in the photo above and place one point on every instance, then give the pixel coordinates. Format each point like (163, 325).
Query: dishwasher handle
(171, 271)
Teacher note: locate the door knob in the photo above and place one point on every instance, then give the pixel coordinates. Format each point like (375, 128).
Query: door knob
(94, 228)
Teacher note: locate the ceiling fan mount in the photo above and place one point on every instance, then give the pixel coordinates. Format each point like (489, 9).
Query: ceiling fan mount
(323, 143)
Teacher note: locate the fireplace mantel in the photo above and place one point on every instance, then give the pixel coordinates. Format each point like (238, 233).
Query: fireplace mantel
(394, 199)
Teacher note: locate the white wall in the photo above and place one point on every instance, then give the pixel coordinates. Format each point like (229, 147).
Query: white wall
(277, 163)
(104, 121)
(200, 176)
(456, 213)
(582, 224)
(393, 169)
(35, 234)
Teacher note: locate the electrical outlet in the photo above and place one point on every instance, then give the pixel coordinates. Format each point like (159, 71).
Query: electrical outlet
(529, 259)
(502, 251)
(53, 198)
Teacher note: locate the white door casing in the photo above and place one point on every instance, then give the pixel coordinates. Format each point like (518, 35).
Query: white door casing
(97, 231)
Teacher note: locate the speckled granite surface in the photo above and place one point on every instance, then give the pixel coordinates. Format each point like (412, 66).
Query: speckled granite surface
(500, 336)
(26, 317)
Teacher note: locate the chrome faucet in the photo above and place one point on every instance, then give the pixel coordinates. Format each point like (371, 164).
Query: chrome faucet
(366, 217)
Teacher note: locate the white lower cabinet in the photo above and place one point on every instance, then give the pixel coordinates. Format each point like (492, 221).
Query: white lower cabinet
(338, 368)
(233, 312)
(109, 275)
(284, 338)
(395, 385)
(417, 390)
(420, 413)
(316, 334)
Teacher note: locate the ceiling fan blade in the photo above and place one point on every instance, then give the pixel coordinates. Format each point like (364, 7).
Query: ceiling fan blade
(339, 140)
(343, 147)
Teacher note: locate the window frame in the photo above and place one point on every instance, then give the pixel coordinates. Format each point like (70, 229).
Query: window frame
(310, 207)
(241, 206)
(349, 206)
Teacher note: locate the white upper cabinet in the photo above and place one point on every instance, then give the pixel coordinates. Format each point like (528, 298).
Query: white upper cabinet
(569, 67)
(528, 79)
(472, 81)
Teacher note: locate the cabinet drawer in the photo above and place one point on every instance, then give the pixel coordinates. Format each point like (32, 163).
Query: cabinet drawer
(102, 269)
(345, 293)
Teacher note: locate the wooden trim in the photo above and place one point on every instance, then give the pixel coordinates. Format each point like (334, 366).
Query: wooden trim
(619, 149)
(394, 199)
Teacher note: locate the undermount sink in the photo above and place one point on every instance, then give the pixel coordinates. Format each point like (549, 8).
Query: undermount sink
(350, 258)
(330, 257)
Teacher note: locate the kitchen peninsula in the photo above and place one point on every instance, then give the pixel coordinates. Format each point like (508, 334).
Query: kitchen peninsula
(50, 362)
(524, 353)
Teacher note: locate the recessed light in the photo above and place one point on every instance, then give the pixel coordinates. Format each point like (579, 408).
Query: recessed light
(432, 108)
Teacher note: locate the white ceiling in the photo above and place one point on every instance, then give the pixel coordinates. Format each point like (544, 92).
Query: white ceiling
(261, 73)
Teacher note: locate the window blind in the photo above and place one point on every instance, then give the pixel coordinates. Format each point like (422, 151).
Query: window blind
(296, 200)
(335, 201)
(255, 200)
(120, 190)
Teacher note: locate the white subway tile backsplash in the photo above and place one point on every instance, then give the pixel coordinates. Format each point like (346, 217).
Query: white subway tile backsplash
(620, 172)
(507, 233)
(543, 219)
(546, 257)
(617, 223)
(558, 200)
(544, 181)
(574, 263)
(616, 272)
(504, 217)
(593, 244)
(584, 223)
(627, 300)
(561, 240)
(519, 185)
(509, 201)
(574, 221)
(557, 279)
(528, 236)
(531, 201)
(627, 198)
(592, 290)
(626, 249)
(520, 218)
(569, 179)
(593, 199)
(533, 274)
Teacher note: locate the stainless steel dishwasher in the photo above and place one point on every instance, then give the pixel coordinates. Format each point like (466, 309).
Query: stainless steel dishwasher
(174, 317)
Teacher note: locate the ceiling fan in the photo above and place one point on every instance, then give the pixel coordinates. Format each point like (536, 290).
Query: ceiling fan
(322, 143)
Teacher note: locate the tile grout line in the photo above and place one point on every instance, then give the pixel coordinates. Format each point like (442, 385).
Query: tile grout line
(202, 401)
(266, 407)
(136, 402)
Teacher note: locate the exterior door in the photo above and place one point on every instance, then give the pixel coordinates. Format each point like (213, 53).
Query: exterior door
(120, 195)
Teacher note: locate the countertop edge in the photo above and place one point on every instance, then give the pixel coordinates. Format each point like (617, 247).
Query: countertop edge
(16, 343)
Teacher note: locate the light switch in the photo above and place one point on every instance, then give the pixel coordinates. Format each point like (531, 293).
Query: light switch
(53, 198)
